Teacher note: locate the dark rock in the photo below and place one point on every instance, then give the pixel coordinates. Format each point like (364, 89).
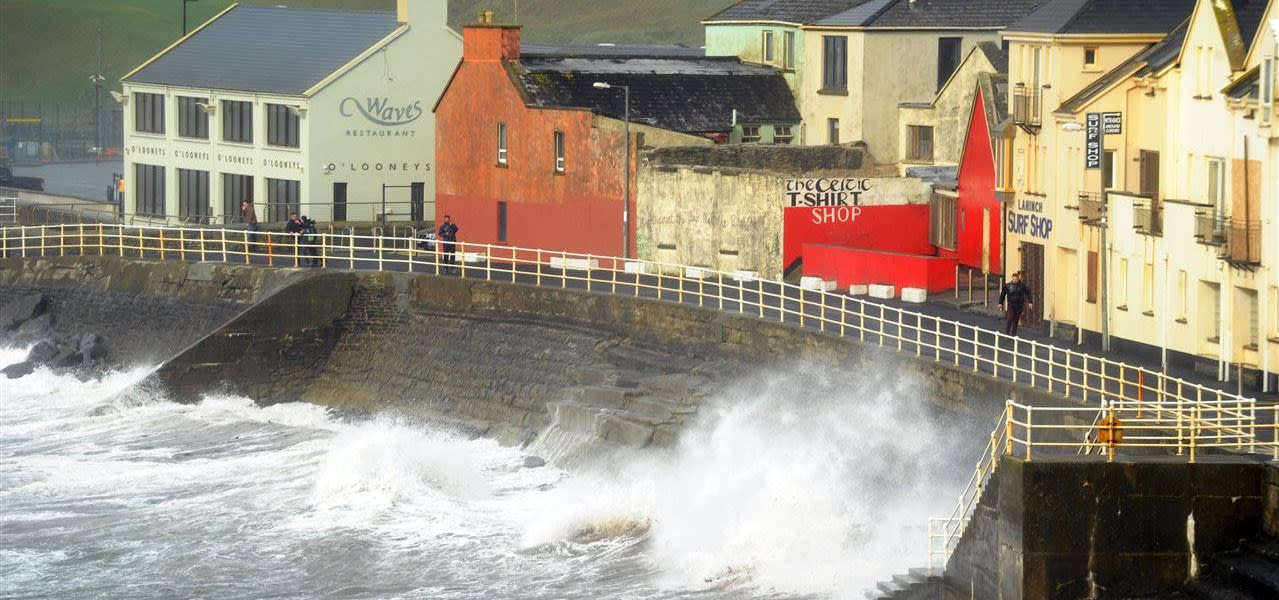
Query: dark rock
(17, 370)
(34, 330)
(42, 352)
(21, 310)
(91, 349)
(66, 357)
(533, 462)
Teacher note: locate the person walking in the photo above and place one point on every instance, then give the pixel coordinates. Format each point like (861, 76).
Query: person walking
(296, 227)
(1013, 299)
(250, 216)
(446, 241)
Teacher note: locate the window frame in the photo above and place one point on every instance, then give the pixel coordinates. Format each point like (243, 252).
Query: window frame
(832, 131)
(503, 139)
(956, 58)
(788, 50)
(1219, 204)
(149, 189)
(916, 143)
(236, 187)
(755, 137)
(292, 192)
(1090, 64)
(559, 151)
(783, 134)
(283, 127)
(194, 181)
(191, 116)
(148, 113)
(237, 121)
(767, 51)
(834, 63)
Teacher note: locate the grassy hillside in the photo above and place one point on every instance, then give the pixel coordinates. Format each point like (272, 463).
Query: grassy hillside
(48, 47)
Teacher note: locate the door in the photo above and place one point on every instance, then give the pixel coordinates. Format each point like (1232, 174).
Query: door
(339, 201)
(985, 241)
(418, 201)
(1032, 274)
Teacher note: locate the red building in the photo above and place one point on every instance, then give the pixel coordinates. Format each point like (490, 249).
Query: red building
(979, 210)
(530, 145)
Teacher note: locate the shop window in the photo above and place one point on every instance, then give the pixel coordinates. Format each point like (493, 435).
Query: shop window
(782, 134)
(193, 196)
(283, 196)
(235, 189)
(767, 51)
(148, 189)
(282, 125)
(834, 63)
(193, 121)
(750, 134)
(920, 145)
(237, 121)
(501, 144)
(148, 113)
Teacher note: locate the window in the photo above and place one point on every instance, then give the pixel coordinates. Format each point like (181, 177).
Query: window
(1251, 336)
(283, 196)
(1149, 174)
(832, 131)
(1182, 301)
(148, 189)
(1148, 288)
(1121, 285)
(501, 143)
(1216, 192)
(1210, 310)
(834, 63)
(148, 113)
(750, 134)
(920, 145)
(1274, 313)
(767, 52)
(237, 121)
(559, 153)
(193, 195)
(1090, 57)
(788, 50)
(1205, 72)
(501, 221)
(1108, 170)
(782, 134)
(1091, 276)
(1267, 88)
(282, 125)
(1034, 69)
(947, 58)
(235, 189)
(193, 122)
(943, 221)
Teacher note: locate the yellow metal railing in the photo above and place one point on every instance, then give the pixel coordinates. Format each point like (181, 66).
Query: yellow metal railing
(1151, 402)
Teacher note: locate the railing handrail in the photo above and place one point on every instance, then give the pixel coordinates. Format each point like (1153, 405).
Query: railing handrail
(1230, 417)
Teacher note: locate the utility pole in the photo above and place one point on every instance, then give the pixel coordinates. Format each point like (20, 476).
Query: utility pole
(1105, 272)
(97, 101)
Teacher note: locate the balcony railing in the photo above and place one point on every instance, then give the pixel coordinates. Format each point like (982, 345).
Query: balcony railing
(1210, 229)
(1091, 209)
(1243, 241)
(1148, 217)
(1026, 106)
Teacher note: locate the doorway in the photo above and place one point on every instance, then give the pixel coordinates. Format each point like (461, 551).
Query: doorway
(417, 201)
(1032, 273)
(339, 201)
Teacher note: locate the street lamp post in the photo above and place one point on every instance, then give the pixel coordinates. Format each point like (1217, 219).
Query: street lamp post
(626, 180)
(184, 15)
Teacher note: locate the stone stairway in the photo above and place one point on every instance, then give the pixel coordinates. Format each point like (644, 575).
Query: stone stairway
(916, 584)
(1249, 572)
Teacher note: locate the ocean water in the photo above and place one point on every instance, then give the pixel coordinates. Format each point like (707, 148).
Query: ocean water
(108, 490)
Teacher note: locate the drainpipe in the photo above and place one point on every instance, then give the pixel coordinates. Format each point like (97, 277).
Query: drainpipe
(1082, 258)
(1163, 350)
(1105, 272)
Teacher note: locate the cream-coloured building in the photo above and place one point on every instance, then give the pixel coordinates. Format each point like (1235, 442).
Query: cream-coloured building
(933, 133)
(1160, 188)
(324, 112)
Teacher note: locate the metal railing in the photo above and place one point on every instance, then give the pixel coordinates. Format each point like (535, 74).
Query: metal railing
(1210, 229)
(1181, 428)
(1026, 105)
(1194, 413)
(8, 210)
(1091, 207)
(1243, 241)
(1148, 217)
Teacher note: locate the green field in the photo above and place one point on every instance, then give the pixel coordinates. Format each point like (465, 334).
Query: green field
(48, 48)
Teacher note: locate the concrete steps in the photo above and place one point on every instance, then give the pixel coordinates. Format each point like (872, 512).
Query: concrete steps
(915, 584)
(1249, 572)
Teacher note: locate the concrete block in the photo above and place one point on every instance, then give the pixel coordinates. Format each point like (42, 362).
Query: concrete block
(574, 264)
(816, 284)
(877, 290)
(857, 289)
(471, 258)
(915, 295)
(638, 268)
(622, 431)
(745, 276)
(695, 272)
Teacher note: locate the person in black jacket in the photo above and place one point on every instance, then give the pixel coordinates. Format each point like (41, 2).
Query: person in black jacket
(1013, 298)
(297, 227)
(446, 240)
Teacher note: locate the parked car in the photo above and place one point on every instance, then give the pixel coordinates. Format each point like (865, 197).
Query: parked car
(9, 180)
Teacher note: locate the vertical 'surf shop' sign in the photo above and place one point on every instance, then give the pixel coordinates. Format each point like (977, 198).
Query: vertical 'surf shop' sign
(1092, 141)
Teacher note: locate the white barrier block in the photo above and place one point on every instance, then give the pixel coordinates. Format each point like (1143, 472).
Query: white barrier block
(695, 272)
(637, 268)
(829, 285)
(858, 289)
(811, 283)
(574, 264)
(472, 257)
(915, 295)
(745, 276)
(881, 291)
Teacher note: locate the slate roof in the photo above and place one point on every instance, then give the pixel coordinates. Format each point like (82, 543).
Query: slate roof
(1249, 14)
(1246, 86)
(689, 95)
(611, 51)
(786, 11)
(268, 49)
(1066, 17)
(1151, 60)
(995, 54)
(954, 14)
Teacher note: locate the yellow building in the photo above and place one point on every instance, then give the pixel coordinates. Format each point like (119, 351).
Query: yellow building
(1149, 185)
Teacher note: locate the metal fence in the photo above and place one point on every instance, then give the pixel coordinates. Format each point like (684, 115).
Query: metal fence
(1159, 412)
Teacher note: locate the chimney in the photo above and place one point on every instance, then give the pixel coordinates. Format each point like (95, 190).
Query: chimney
(402, 11)
(428, 13)
(486, 41)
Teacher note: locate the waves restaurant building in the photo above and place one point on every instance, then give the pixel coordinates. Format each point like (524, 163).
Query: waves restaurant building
(324, 112)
